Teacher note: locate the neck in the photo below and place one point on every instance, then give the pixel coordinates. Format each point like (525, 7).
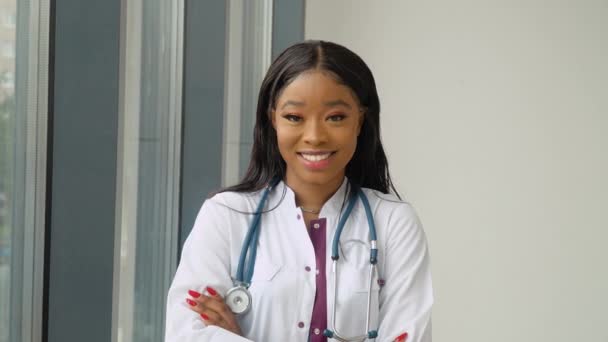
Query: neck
(313, 196)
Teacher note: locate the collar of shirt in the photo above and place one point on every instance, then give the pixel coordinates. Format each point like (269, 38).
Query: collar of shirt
(331, 208)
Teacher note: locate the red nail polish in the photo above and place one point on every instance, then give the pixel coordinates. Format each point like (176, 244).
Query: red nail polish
(205, 317)
(190, 302)
(211, 291)
(194, 294)
(401, 338)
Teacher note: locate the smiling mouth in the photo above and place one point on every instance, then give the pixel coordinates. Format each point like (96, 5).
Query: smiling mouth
(316, 157)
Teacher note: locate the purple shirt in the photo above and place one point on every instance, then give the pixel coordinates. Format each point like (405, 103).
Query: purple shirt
(318, 323)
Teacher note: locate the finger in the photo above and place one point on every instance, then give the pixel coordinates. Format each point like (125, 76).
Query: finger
(212, 300)
(199, 302)
(206, 313)
(211, 317)
(201, 298)
(194, 294)
(193, 300)
(194, 305)
(215, 304)
(209, 291)
(213, 311)
(213, 293)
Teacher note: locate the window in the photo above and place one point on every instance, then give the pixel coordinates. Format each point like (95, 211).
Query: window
(148, 190)
(7, 49)
(23, 113)
(8, 19)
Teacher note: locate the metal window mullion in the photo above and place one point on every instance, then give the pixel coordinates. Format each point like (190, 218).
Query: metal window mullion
(35, 172)
(232, 94)
(256, 58)
(175, 139)
(128, 150)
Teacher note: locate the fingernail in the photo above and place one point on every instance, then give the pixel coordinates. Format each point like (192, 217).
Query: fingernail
(205, 317)
(194, 294)
(190, 302)
(211, 291)
(401, 338)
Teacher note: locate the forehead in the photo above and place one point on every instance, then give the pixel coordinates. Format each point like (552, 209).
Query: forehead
(315, 88)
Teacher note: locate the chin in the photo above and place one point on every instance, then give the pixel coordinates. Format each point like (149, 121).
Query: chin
(318, 178)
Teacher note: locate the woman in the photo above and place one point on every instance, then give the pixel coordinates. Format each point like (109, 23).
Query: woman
(316, 147)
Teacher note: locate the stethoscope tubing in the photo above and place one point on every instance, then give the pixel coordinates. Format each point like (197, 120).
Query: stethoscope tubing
(243, 277)
(251, 240)
(335, 334)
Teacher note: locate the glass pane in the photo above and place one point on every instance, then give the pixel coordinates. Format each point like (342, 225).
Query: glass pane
(148, 198)
(8, 165)
(248, 58)
(23, 61)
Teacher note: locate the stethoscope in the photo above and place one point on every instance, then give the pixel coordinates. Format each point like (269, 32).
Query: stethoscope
(239, 298)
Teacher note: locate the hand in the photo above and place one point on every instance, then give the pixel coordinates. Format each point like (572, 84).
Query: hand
(213, 310)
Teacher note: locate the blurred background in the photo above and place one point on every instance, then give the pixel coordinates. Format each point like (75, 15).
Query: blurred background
(118, 118)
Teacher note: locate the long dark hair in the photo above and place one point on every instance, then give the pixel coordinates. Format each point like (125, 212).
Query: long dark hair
(369, 167)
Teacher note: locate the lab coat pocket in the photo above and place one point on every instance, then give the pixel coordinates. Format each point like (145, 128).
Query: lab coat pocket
(353, 289)
(264, 281)
(355, 252)
(265, 271)
(267, 298)
(374, 291)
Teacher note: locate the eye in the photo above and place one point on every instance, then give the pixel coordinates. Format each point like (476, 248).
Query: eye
(337, 117)
(292, 118)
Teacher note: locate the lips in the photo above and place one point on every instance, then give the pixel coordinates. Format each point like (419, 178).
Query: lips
(315, 157)
(316, 160)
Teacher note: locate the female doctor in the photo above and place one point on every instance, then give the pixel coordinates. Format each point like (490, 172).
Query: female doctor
(287, 254)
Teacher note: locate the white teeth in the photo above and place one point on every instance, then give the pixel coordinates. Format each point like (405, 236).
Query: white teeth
(315, 157)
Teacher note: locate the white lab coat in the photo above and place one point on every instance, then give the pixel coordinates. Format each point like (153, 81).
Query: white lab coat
(283, 291)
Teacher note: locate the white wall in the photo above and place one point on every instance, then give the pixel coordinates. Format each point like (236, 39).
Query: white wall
(495, 120)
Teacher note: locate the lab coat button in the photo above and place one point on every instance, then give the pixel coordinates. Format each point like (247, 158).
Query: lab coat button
(301, 325)
(299, 216)
(307, 268)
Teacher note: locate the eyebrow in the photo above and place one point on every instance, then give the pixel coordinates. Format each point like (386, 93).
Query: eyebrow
(333, 103)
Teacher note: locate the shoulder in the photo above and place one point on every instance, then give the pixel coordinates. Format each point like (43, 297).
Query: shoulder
(388, 204)
(393, 215)
(225, 204)
(225, 207)
(238, 201)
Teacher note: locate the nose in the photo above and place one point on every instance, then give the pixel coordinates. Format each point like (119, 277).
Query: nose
(315, 133)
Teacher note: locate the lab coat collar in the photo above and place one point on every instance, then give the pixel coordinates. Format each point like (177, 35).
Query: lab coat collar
(330, 208)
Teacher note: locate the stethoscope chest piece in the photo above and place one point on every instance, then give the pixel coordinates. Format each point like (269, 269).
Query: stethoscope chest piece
(238, 300)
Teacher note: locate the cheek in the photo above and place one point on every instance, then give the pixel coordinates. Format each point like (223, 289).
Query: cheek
(352, 146)
(285, 140)
(349, 140)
